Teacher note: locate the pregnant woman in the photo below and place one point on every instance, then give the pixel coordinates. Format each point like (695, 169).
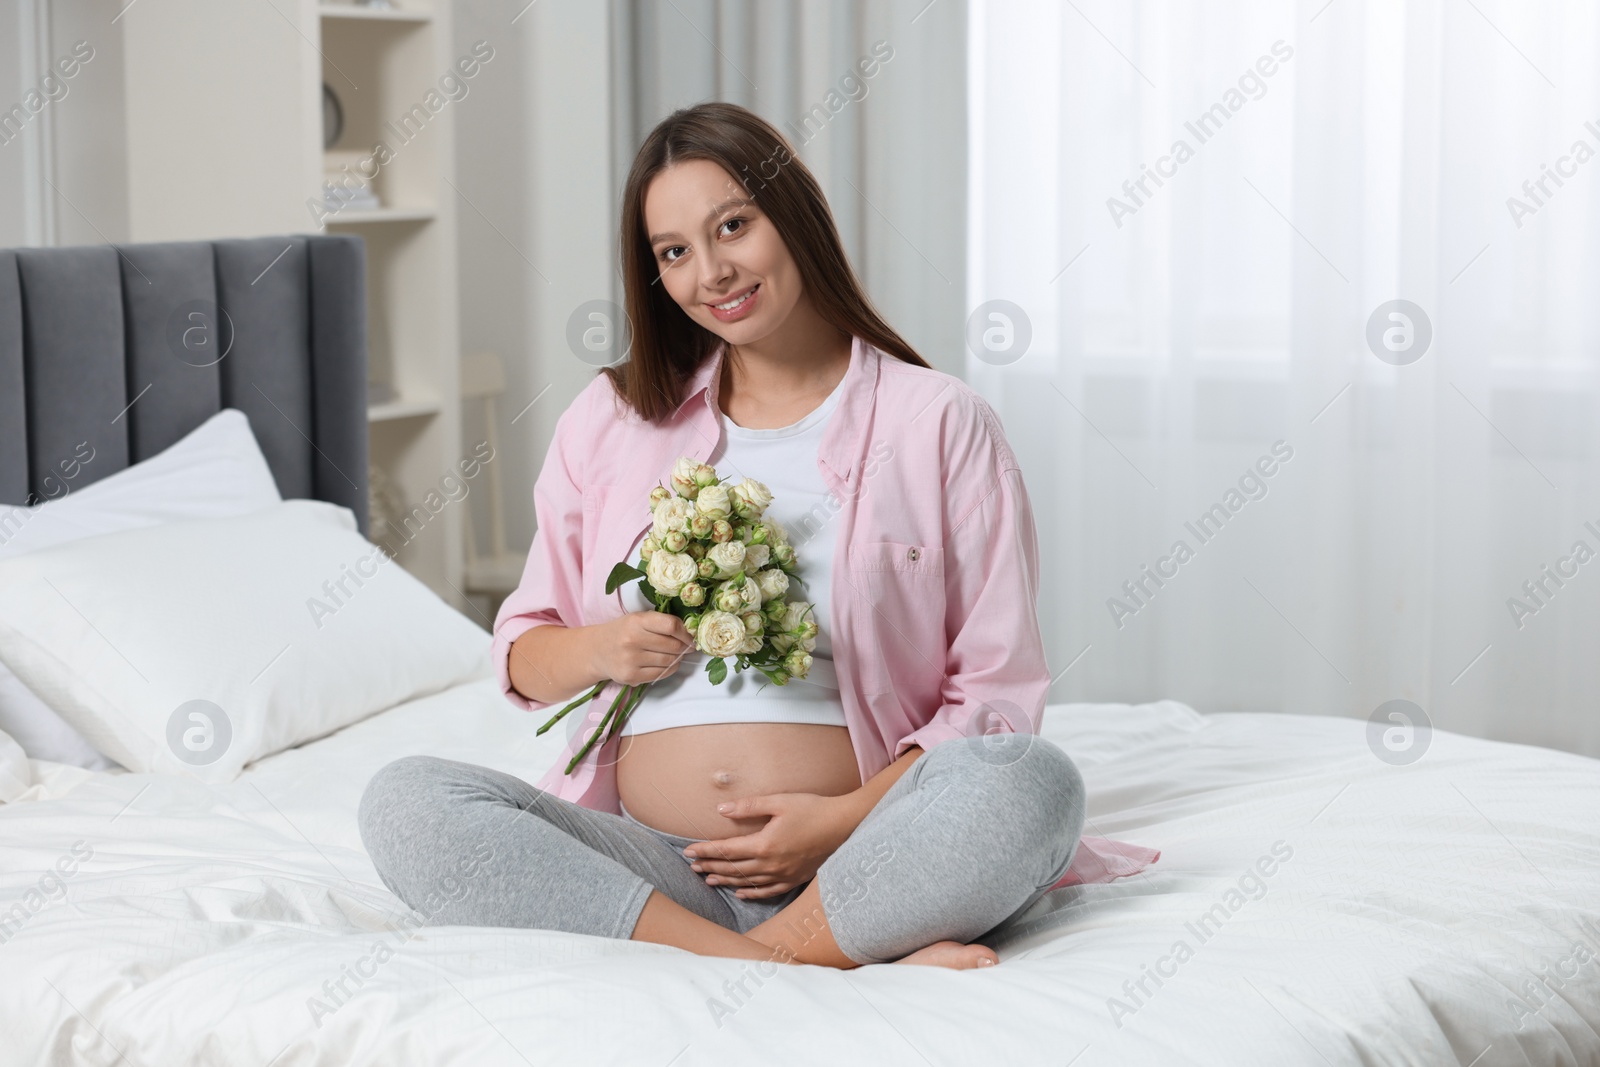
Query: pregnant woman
(897, 802)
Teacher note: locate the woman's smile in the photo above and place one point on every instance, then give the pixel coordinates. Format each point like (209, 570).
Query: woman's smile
(736, 306)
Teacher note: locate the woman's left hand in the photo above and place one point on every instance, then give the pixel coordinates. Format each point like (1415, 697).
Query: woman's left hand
(803, 831)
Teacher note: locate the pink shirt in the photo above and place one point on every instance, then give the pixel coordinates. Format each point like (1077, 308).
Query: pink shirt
(935, 574)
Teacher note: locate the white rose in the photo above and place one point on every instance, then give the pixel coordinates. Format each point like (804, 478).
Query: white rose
(713, 502)
(776, 534)
(751, 592)
(751, 644)
(795, 614)
(797, 663)
(668, 572)
(721, 633)
(683, 475)
(756, 557)
(728, 598)
(807, 634)
(773, 583)
(728, 556)
(754, 496)
(674, 513)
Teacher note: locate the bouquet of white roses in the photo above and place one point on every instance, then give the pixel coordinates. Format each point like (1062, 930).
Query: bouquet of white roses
(713, 561)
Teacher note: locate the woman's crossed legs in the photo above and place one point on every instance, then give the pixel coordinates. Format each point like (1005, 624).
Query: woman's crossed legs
(975, 832)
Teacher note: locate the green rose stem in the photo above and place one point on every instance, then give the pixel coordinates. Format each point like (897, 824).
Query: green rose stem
(590, 695)
(627, 709)
(616, 701)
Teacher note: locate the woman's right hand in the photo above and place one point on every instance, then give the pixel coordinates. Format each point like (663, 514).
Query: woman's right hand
(641, 647)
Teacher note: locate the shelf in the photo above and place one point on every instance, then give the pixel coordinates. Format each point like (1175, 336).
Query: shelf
(363, 217)
(389, 410)
(337, 11)
(267, 64)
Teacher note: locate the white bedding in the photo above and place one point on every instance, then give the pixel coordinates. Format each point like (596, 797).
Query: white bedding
(1418, 905)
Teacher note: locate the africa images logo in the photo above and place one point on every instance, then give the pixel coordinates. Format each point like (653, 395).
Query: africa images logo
(199, 733)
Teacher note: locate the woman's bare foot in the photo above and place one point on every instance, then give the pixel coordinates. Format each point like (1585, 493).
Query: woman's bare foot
(953, 954)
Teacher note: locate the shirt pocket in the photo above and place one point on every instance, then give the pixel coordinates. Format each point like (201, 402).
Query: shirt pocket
(899, 557)
(904, 585)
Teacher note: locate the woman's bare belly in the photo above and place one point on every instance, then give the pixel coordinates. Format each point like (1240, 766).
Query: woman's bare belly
(673, 780)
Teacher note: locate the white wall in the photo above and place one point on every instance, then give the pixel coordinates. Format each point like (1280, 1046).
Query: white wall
(12, 226)
(536, 234)
(76, 141)
(89, 131)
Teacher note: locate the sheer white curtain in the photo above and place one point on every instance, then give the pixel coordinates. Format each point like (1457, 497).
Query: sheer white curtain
(1335, 156)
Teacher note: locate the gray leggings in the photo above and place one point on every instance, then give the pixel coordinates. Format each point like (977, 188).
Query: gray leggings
(974, 833)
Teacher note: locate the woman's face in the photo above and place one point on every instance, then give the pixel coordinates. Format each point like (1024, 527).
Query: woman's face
(712, 245)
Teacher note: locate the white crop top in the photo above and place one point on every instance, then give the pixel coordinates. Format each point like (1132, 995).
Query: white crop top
(785, 460)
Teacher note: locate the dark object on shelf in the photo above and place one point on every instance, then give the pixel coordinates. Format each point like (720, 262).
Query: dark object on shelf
(332, 117)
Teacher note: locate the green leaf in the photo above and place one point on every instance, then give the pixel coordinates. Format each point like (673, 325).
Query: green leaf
(655, 596)
(622, 572)
(718, 670)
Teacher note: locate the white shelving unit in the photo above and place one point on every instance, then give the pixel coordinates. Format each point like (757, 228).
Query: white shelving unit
(226, 140)
(351, 11)
(350, 216)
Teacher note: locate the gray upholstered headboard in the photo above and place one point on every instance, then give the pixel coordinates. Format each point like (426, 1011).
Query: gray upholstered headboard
(129, 347)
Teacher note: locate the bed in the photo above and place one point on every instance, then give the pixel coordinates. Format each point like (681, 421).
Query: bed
(1413, 921)
(1313, 904)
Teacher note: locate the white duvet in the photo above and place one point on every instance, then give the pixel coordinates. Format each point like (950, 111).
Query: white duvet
(1312, 905)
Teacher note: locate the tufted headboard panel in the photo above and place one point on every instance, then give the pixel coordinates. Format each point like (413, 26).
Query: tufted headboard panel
(129, 347)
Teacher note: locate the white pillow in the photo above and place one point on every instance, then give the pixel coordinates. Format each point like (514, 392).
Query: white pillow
(216, 470)
(16, 774)
(40, 732)
(197, 647)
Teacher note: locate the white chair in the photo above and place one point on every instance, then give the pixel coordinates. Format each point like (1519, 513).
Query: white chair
(495, 575)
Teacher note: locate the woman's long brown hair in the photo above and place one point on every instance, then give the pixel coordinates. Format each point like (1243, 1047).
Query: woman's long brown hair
(668, 346)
